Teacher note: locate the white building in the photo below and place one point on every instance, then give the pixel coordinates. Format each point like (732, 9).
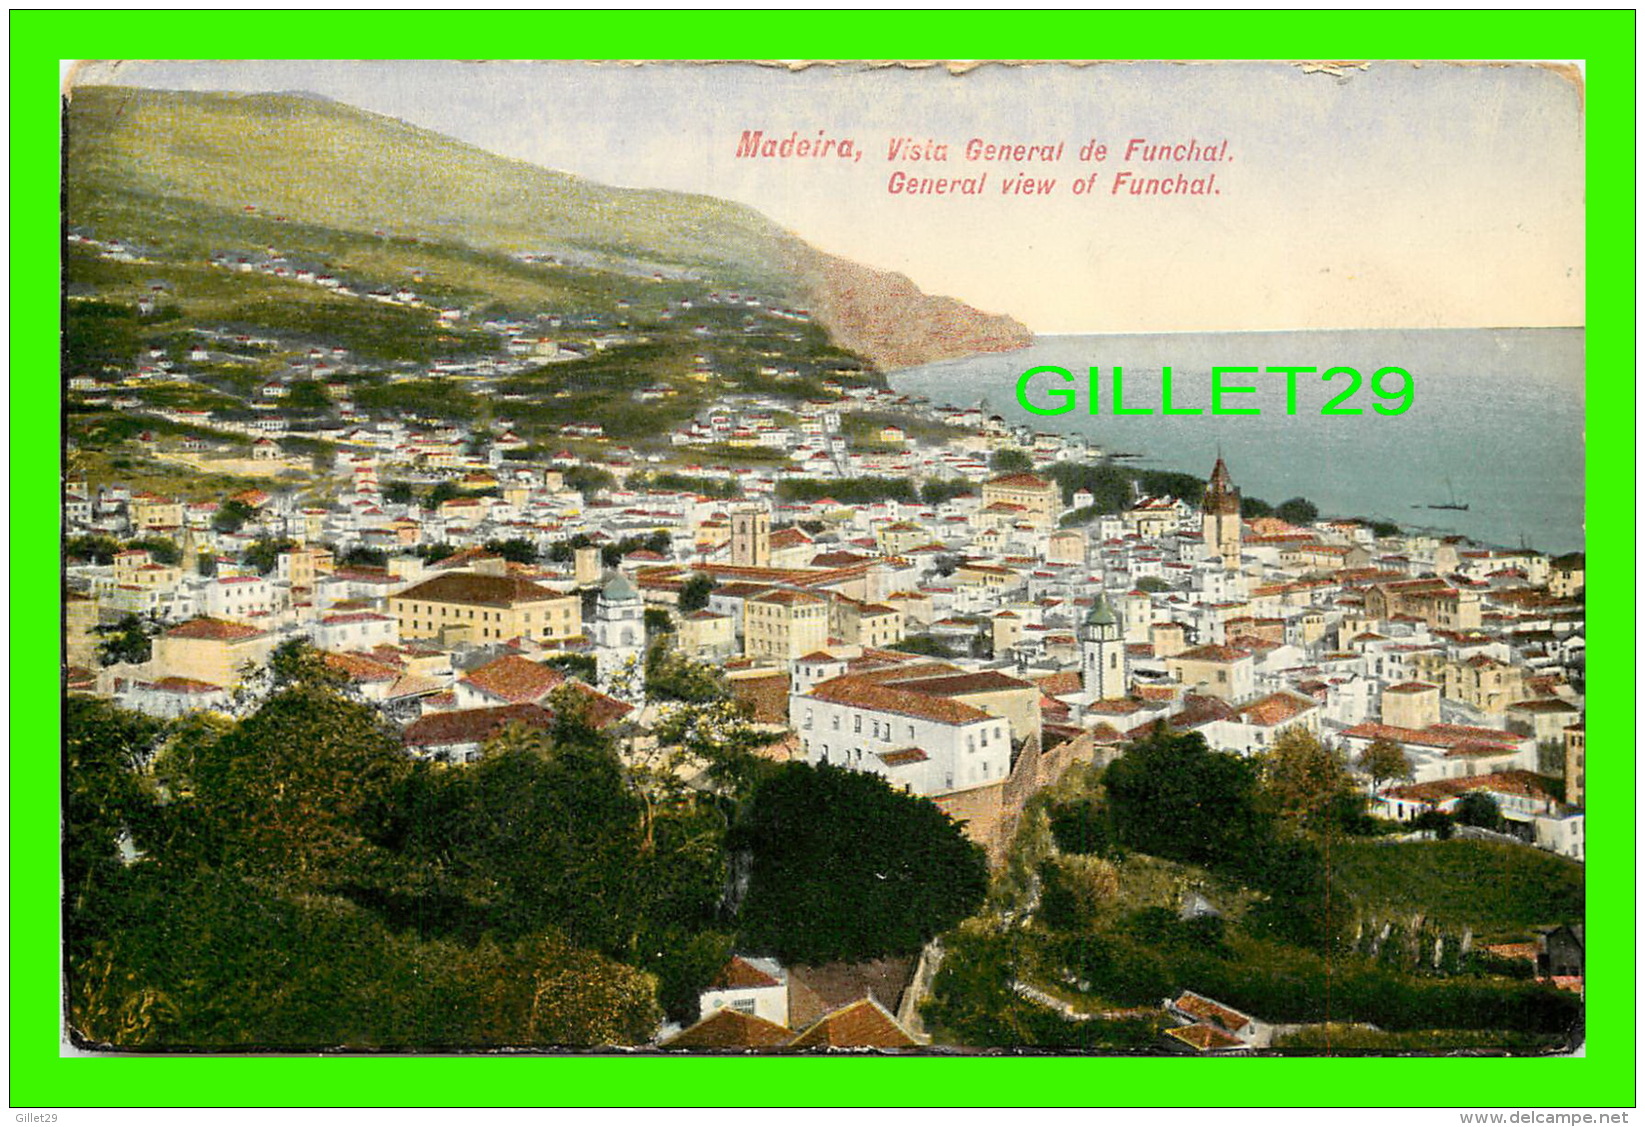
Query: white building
(619, 631)
(357, 630)
(239, 598)
(929, 745)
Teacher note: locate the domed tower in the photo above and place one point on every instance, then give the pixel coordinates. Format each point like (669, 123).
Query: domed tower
(619, 630)
(1221, 526)
(1104, 674)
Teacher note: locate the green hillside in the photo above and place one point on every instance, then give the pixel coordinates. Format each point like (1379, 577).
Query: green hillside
(326, 164)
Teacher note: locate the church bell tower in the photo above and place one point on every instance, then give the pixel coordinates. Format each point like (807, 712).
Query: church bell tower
(1221, 524)
(1104, 673)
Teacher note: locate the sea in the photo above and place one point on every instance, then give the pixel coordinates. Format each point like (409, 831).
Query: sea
(1495, 420)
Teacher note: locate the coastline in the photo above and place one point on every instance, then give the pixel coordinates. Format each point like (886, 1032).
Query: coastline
(1524, 481)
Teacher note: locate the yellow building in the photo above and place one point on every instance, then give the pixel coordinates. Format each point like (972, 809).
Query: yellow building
(1485, 683)
(136, 568)
(1576, 764)
(1567, 576)
(895, 539)
(210, 650)
(1067, 546)
(1434, 601)
(706, 636)
(1040, 500)
(1411, 704)
(990, 577)
(784, 625)
(150, 511)
(864, 624)
(79, 620)
(480, 608)
(1215, 671)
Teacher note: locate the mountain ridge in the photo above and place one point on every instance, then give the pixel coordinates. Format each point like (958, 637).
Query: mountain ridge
(323, 162)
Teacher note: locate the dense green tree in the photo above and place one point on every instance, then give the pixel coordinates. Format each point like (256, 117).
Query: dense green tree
(1110, 485)
(307, 396)
(1011, 460)
(362, 556)
(694, 593)
(441, 493)
(923, 644)
(843, 867)
(1382, 761)
(1298, 510)
(848, 491)
(264, 553)
(517, 550)
(670, 675)
(1076, 890)
(231, 516)
(294, 791)
(1251, 508)
(1476, 808)
(1307, 784)
(103, 747)
(128, 641)
(588, 480)
(658, 621)
(99, 550)
(936, 490)
(162, 550)
(581, 666)
(1082, 825)
(1172, 796)
(399, 492)
(1442, 826)
(1168, 483)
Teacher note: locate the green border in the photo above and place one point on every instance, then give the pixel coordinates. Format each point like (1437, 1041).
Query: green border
(1605, 1076)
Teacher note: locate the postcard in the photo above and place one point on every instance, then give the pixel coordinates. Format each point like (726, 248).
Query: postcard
(828, 557)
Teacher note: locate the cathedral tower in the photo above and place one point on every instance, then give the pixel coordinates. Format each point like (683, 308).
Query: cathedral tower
(1221, 526)
(751, 538)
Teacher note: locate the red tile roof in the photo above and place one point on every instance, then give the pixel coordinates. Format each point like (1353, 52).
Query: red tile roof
(480, 590)
(515, 679)
(740, 974)
(861, 1025)
(214, 629)
(729, 1029)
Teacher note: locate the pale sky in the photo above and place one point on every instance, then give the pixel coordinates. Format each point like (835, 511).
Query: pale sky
(1401, 196)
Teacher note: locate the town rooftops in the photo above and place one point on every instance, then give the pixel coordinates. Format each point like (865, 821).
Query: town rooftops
(214, 629)
(1276, 708)
(514, 679)
(862, 1025)
(727, 1028)
(861, 692)
(471, 588)
(791, 599)
(1020, 481)
(1211, 653)
(740, 974)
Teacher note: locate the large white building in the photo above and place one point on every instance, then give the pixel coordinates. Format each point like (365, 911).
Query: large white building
(928, 744)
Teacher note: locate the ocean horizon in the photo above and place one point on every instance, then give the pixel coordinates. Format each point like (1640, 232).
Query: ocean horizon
(1495, 422)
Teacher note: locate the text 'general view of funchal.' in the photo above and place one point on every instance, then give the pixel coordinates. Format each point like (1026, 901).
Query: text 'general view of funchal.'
(506, 611)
